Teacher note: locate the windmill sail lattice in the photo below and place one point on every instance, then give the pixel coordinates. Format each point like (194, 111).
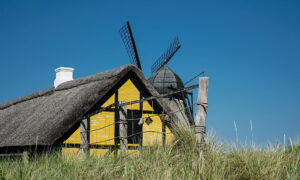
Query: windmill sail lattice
(128, 40)
(166, 56)
(163, 79)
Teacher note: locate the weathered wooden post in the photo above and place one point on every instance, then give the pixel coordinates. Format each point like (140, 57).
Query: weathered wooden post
(123, 130)
(164, 134)
(84, 135)
(200, 126)
(25, 157)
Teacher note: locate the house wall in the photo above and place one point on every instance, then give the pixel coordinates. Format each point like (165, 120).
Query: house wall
(102, 140)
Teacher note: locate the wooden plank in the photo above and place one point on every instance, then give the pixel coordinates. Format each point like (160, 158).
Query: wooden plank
(84, 136)
(142, 100)
(25, 157)
(123, 130)
(200, 119)
(141, 121)
(164, 133)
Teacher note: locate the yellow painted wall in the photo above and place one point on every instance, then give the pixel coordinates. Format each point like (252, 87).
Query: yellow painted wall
(110, 101)
(169, 136)
(98, 134)
(147, 106)
(127, 92)
(150, 138)
(74, 138)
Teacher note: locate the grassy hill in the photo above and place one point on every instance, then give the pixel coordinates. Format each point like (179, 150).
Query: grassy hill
(181, 160)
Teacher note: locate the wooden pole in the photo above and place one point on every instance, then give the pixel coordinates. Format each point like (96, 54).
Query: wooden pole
(164, 133)
(25, 157)
(200, 124)
(123, 130)
(84, 135)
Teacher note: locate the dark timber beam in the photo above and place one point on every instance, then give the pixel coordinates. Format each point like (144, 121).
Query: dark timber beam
(142, 100)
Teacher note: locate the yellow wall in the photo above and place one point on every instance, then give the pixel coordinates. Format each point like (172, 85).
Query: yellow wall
(98, 134)
(169, 136)
(110, 101)
(127, 92)
(150, 137)
(147, 106)
(74, 138)
(153, 133)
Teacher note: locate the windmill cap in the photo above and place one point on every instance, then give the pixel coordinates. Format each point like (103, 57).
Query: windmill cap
(165, 80)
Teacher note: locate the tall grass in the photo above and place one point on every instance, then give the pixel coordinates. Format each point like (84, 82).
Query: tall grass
(181, 160)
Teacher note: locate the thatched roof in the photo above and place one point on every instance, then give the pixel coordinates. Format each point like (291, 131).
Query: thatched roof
(42, 118)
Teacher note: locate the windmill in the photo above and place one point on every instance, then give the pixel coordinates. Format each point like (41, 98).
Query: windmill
(163, 79)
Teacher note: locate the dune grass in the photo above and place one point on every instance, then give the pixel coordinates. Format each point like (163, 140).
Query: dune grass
(181, 160)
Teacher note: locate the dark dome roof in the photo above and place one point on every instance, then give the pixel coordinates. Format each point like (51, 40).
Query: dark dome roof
(164, 80)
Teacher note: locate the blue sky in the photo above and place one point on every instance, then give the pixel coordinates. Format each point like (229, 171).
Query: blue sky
(249, 49)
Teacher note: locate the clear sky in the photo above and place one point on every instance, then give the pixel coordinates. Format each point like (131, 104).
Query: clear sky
(249, 49)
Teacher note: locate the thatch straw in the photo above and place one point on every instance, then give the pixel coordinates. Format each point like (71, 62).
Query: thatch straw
(44, 117)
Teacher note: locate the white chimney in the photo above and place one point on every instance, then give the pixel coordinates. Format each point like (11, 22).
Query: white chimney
(63, 74)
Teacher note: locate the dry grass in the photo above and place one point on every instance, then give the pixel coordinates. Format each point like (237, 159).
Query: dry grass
(181, 160)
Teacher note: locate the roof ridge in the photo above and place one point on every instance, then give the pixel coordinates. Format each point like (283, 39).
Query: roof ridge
(68, 85)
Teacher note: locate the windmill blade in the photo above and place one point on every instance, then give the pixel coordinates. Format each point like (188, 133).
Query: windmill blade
(166, 56)
(202, 73)
(128, 40)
